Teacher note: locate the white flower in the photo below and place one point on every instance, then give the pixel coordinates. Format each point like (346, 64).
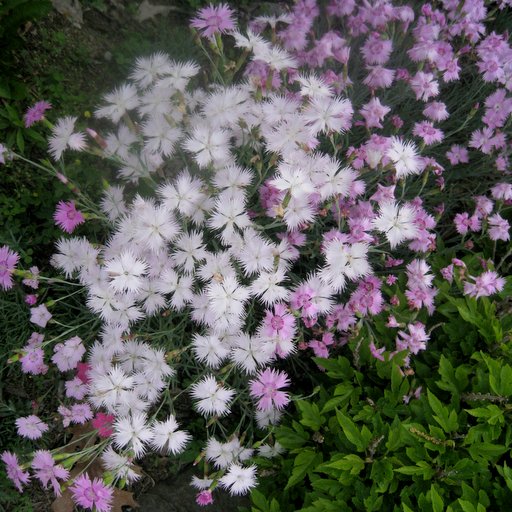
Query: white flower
(63, 137)
(132, 432)
(209, 349)
(152, 225)
(324, 114)
(125, 272)
(160, 136)
(224, 454)
(225, 107)
(267, 287)
(112, 202)
(120, 100)
(189, 250)
(226, 300)
(239, 480)
(229, 214)
(208, 145)
(111, 389)
(167, 437)
(120, 465)
(404, 156)
(249, 352)
(213, 397)
(344, 261)
(313, 87)
(148, 69)
(293, 180)
(396, 222)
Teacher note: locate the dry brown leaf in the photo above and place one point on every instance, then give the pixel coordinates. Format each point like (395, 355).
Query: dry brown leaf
(122, 499)
(79, 441)
(64, 503)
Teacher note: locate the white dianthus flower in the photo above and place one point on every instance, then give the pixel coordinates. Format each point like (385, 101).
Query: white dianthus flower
(213, 398)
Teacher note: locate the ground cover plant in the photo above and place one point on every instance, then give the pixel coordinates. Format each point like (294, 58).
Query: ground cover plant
(299, 275)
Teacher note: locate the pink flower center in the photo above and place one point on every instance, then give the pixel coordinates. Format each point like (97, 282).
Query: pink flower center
(277, 323)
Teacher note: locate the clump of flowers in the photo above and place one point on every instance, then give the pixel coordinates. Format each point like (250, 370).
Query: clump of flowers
(281, 215)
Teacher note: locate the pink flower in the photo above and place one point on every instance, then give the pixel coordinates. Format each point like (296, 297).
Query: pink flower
(14, 471)
(280, 323)
(33, 280)
(30, 299)
(376, 50)
(33, 361)
(498, 228)
(67, 217)
(415, 341)
(103, 424)
(213, 20)
(92, 493)
(319, 347)
(485, 284)
(8, 260)
(377, 352)
(204, 498)
(424, 85)
(40, 315)
(374, 112)
(66, 355)
(82, 372)
(457, 154)
(31, 427)
(428, 132)
(436, 111)
(266, 389)
(36, 113)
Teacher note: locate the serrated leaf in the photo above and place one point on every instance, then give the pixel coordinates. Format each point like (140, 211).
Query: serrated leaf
(304, 462)
(290, 438)
(311, 416)
(351, 431)
(382, 474)
(351, 462)
(486, 450)
(446, 419)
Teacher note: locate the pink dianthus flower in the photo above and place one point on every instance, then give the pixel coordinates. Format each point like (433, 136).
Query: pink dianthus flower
(67, 217)
(36, 113)
(8, 260)
(46, 470)
(214, 19)
(266, 389)
(92, 494)
(31, 427)
(14, 471)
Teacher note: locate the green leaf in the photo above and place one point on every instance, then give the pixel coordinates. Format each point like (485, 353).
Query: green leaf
(304, 462)
(351, 431)
(466, 506)
(260, 501)
(492, 414)
(422, 468)
(437, 501)
(382, 474)
(486, 451)
(507, 475)
(20, 142)
(311, 416)
(446, 419)
(351, 462)
(291, 438)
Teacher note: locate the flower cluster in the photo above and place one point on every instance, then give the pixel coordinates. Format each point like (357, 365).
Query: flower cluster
(287, 210)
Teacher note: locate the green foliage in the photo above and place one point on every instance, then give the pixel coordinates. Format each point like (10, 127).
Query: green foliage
(365, 443)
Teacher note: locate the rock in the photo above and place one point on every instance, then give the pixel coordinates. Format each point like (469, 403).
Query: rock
(71, 9)
(177, 495)
(147, 11)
